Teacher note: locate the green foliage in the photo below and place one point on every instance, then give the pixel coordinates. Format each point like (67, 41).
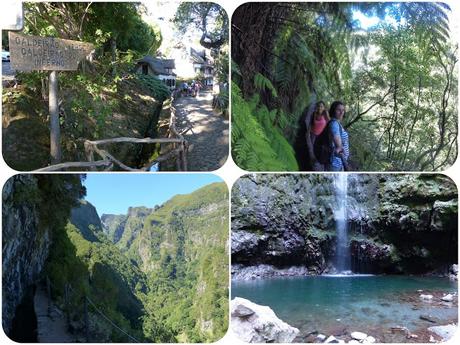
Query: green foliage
(221, 101)
(90, 94)
(207, 17)
(221, 63)
(397, 80)
(262, 83)
(97, 270)
(256, 143)
(182, 246)
(159, 90)
(182, 292)
(94, 22)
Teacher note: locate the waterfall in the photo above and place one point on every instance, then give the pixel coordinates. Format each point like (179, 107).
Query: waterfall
(343, 258)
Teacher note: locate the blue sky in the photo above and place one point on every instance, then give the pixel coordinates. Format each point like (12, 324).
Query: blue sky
(114, 193)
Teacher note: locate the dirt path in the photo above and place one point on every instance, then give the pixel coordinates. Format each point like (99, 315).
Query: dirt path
(51, 328)
(207, 132)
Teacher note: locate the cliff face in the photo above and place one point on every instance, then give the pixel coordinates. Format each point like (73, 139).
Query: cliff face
(123, 229)
(183, 241)
(86, 219)
(397, 223)
(168, 266)
(28, 230)
(25, 246)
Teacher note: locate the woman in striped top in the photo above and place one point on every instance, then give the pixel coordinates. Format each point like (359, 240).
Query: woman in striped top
(339, 142)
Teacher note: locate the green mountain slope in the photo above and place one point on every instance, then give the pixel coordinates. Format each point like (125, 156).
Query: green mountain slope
(160, 274)
(84, 259)
(182, 249)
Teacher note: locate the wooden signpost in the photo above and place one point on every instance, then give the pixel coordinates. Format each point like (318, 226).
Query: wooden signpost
(35, 53)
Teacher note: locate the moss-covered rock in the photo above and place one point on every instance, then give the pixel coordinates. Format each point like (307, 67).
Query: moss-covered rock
(396, 223)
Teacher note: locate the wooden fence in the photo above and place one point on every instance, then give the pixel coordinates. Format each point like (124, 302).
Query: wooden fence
(107, 161)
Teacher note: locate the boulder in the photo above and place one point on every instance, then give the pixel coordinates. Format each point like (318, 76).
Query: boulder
(262, 326)
(429, 318)
(426, 297)
(448, 298)
(445, 332)
(332, 340)
(242, 311)
(369, 340)
(320, 337)
(358, 335)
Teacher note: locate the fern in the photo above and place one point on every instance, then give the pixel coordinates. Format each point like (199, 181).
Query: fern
(262, 83)
(257, 145)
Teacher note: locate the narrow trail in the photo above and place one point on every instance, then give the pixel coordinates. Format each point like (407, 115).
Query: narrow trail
(52, 326)
(206, 132)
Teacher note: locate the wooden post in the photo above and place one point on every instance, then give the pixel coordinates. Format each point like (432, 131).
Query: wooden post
(55, 129)
(85, 311)
(89, 153)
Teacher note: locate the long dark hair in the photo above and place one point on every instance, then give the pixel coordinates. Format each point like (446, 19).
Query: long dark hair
(317, 105)
(334, 106)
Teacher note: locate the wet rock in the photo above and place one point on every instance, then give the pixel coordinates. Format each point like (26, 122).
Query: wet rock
(369, 340)
(358, 335)
(241, 272)
(321, 337)
(454, 269)
(447, 298)
(263, 326)
(445, 332)
(242, 311)
(245, 241)
(286, 220)
(429, 318)
(332, 340)
(426, 297)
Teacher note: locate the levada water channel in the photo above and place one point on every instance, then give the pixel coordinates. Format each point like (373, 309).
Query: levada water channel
(390, 307)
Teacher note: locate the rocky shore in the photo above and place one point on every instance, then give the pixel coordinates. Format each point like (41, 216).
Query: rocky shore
(259, 324)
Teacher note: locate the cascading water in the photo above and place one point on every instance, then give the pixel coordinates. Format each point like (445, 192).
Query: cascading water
(343, 258)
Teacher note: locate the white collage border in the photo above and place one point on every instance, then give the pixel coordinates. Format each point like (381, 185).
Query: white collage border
(230, 172)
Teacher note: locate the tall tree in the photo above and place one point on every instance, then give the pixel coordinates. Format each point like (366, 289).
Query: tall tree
(208, 18)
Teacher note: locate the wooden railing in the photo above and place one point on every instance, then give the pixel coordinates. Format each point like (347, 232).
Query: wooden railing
(108, 161)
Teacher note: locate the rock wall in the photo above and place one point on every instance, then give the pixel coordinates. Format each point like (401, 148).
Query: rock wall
(34, 208)
(86, 219)
(24, 245)
(397, 223)
(123, 229)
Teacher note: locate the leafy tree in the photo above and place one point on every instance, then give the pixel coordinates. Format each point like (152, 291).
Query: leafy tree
(317, 51)
(208, 18)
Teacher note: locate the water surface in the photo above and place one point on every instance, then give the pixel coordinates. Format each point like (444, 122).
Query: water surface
(372, 304)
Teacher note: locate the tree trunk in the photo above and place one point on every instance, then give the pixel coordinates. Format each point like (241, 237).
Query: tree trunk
(253, 36)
